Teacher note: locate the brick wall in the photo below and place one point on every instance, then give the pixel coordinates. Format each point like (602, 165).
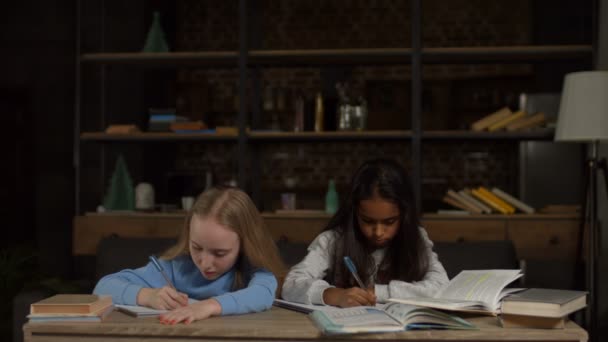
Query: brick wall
(454, 95)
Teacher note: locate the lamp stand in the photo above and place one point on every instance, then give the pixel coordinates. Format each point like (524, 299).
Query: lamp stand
(589, 223)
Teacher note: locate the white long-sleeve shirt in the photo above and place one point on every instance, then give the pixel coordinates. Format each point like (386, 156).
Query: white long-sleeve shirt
(304, 283)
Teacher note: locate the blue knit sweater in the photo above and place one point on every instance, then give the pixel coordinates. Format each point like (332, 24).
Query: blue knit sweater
(257, 296)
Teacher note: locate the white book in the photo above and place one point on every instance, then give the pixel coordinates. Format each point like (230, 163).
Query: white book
(513, 201)
(472, 208)
(479, 291)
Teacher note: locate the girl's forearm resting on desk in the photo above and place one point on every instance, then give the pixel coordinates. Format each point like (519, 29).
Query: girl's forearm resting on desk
(125, 287)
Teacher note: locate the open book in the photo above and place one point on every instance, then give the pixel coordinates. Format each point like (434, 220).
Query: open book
(391, 317)
(471, 291)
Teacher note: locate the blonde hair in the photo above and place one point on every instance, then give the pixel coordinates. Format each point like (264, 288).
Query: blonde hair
(232, 208)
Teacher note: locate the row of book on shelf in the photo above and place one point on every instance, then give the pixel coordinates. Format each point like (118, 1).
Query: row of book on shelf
(484, 292)
(505, 119)
(482, 200)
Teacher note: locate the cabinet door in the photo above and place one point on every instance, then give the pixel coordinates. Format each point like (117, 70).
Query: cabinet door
(544, 239)
(301, 230)
(89, 230)
(461, 230)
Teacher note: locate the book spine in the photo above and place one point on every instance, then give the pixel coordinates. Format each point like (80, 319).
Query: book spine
(454, 203)
(488, 120)
(504, 122)
(514, 201)
(489, 201)
(466, 193)
(509, 208)
(527, 122)
(471, 208)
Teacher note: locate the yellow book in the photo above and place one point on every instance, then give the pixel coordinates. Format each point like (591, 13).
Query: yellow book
(488, 201)
(504, 122)
(528, 121)
(488, 120)
(509, 208)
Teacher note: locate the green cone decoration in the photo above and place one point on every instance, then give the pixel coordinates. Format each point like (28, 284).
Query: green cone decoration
(155, 41)
(120, 195)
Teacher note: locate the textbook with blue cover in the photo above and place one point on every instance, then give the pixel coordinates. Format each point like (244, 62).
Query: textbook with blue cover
(392, 317)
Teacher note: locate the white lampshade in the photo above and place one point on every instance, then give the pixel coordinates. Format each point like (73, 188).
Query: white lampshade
(583, 111)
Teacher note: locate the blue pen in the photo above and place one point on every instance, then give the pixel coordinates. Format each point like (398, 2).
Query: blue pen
(353, 270)
(161, 270)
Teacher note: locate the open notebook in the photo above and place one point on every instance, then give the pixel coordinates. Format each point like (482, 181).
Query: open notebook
(143, 311)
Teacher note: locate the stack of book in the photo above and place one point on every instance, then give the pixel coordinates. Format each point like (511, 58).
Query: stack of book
(71, 307)
(541, 308)
(480, 200)
(505, 119)
(160, 119)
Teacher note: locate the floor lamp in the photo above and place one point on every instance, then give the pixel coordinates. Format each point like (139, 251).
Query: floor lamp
(583, 117)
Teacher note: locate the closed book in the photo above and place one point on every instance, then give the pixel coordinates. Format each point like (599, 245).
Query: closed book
(488, 201)
(527, 122)
(188, 126)
(533, 322)
(470, 207)
(544, 302)
(466, 194)
(504, 122)
(71, 304)
(489, 120)
(95, 316)
(509, 208)
(454, 203)
(513, 201)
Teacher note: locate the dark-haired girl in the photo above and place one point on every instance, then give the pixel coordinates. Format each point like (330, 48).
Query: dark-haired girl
(377, 226)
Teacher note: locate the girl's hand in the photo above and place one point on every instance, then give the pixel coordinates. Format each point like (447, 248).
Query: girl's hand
(345, 298)
(165, 298)
(201, 310)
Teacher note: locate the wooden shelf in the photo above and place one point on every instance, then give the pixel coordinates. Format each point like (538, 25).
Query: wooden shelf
(321, 215)
(155, 136)
(327, 136)
(261, 136)
(506, 54)
(518, 216)
(502, 54)
(167, 59)
(537, 134)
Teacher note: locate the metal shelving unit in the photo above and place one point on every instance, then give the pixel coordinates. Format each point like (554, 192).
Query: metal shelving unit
(245, 59)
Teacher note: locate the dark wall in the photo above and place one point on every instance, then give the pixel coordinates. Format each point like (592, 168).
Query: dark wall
(38, 64)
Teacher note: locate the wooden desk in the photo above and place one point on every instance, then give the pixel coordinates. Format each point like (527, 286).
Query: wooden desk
(274, 325)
